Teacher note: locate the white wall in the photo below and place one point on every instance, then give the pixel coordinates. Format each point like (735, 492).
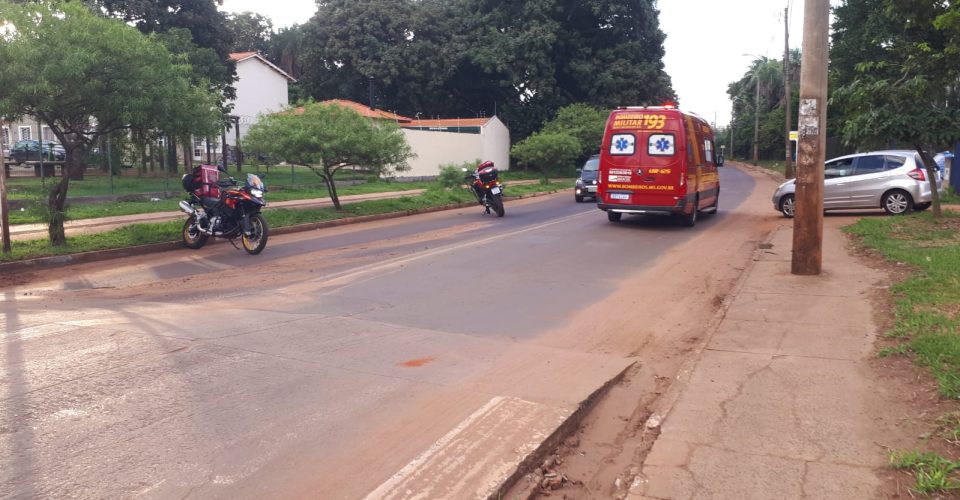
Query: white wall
(436, 148)
(495, 143)
(260, 90)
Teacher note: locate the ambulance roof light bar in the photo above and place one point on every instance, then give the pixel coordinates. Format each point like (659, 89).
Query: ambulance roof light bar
(666, 105)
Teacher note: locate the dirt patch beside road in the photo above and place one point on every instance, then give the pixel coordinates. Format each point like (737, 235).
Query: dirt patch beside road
(682, 298)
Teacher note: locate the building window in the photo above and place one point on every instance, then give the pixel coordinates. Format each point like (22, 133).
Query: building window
(26, 133)
(198, 148)
(46, 134)
(5, 138)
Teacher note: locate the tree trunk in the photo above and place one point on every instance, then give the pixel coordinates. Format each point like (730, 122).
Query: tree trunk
(75, 165)
(930, 168)
(55, 205)
(331, 187)
(104, 166)
(171, 155)
(57, 200)
(187, 155)
(153, 157)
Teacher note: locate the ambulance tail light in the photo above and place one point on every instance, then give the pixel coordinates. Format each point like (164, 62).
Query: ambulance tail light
(917, 174)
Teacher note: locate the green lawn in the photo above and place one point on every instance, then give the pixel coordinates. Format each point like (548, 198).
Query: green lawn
(32, 191)
(141, 234)
(926, 323)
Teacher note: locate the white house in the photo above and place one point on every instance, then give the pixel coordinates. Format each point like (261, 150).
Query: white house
(261, 89)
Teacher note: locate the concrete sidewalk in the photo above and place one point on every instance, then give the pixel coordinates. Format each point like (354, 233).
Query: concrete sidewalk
(779, 404)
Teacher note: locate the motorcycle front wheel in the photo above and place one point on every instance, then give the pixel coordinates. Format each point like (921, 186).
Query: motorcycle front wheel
(257, 240)
(498, 205)
(192, 236)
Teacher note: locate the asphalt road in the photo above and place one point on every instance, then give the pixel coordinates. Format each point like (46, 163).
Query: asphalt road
(338, 363)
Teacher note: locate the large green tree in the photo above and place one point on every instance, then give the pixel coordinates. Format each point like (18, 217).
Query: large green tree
(327, 138)
(520, 60)
(86, 76)
(898, 84)
(206, 23)
(250, 32)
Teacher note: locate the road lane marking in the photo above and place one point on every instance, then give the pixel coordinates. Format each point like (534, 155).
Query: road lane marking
(347, 277)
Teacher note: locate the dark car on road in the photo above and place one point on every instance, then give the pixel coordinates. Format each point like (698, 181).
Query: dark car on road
(586, 186)
(29, 150)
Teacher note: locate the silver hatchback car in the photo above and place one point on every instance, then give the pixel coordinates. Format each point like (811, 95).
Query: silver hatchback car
(892, 180)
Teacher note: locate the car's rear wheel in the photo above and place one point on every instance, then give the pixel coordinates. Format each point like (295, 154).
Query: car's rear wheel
(897, 202)
(613, 216)
(788, 205)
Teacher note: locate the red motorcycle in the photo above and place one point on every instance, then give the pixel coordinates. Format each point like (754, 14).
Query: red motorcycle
(224, 209)
(485, 184)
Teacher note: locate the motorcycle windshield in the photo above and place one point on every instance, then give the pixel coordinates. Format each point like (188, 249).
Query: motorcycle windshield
(254, 182)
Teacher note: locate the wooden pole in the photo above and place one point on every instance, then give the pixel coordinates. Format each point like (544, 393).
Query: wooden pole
(808, 223)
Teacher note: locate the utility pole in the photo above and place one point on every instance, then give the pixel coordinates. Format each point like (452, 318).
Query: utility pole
(787, 100)
(811, 155)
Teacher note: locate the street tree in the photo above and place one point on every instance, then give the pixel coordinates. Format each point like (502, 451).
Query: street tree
(328, 138)
(548, 152)
(903, 84)
(85, 87)
(584, 122)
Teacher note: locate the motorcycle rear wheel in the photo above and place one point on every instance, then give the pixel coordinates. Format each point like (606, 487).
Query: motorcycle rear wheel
(498, 205)
(257, 241)
(193, 238)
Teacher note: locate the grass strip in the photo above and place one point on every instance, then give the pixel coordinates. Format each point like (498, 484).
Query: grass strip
(926, 321)
(30, 191)
(160, 232)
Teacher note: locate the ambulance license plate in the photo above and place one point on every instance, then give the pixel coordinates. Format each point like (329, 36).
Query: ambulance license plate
(619, 196)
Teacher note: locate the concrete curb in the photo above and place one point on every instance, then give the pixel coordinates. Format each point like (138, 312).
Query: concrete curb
(116, 253)
(564, 430)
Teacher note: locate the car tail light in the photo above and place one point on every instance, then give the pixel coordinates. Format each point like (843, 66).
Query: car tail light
(917, 174)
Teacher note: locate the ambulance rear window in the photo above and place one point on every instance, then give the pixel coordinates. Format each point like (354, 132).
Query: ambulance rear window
(661, 145)
(623, 144)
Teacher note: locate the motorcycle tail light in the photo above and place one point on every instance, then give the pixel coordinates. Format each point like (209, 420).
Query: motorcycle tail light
(917, 174)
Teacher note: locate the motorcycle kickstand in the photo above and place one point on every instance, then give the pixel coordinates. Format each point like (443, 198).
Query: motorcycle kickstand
(233, 241)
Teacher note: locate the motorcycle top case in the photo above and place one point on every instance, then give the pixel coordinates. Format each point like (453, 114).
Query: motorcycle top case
(203, 181)
(488, 174)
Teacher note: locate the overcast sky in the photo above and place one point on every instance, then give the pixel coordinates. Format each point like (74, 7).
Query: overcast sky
(704, 46)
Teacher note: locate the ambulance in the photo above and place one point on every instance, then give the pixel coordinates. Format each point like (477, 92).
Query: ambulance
(658, 160)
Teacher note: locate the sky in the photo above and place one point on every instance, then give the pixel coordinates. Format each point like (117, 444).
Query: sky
(705, 45)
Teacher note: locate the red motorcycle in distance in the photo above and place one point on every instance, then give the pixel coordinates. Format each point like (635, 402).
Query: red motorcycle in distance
(224, 209)
(485, 184)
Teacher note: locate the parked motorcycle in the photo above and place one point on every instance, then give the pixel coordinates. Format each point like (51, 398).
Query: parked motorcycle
(485, 184)
(224, 209)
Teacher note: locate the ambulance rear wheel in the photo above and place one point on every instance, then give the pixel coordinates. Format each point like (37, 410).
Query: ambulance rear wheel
(614, 216)
(689, 220)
